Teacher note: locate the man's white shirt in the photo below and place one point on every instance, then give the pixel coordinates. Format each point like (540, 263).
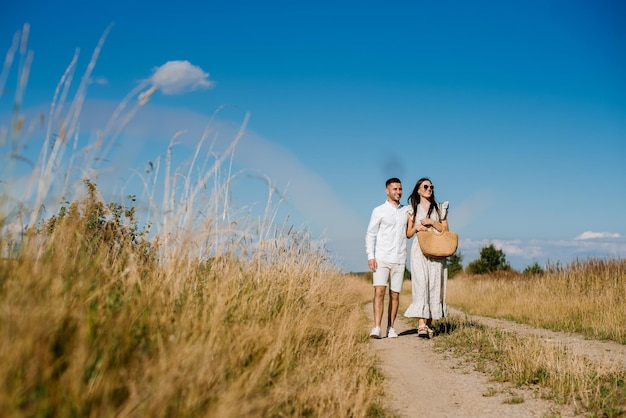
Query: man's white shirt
(385, 239)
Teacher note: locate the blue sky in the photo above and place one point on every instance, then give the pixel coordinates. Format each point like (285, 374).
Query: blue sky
(516, 110)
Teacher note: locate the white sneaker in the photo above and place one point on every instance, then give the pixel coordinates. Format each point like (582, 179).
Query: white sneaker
(375, 332)
(391, 333)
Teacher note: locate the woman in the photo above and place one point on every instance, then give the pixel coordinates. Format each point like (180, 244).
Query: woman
(428, 275)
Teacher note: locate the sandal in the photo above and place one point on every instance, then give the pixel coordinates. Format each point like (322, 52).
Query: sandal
(422, 331)
(431, 332)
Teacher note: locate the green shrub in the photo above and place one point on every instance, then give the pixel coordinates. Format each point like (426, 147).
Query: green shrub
(491, 259)
(112, 228)
(455, 265)
(533, 269)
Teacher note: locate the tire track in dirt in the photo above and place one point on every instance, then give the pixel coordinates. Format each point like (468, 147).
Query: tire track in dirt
(422, 382)
(603, 352)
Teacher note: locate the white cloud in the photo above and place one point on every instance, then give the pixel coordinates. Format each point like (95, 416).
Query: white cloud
(521, 253)
(176, 77)
(597, 235)
(308, 198)
(528, 250)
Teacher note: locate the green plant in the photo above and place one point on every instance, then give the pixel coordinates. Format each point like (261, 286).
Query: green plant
(455, 265)
(491, 259)
(112, 227)
(535, 268)
(514, 399)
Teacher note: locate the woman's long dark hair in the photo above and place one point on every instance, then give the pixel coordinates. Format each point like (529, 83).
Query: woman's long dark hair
(414, 199)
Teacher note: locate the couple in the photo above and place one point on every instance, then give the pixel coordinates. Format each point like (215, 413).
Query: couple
(385, 243)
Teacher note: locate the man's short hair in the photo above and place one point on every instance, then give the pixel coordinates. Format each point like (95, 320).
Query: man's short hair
(392, 180)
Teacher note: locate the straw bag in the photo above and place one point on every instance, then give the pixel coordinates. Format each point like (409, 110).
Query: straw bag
(438, 244)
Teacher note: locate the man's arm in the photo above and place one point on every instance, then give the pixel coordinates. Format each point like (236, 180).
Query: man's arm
(370, 235)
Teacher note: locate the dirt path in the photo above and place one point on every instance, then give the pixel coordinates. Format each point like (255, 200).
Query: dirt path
(424, 383)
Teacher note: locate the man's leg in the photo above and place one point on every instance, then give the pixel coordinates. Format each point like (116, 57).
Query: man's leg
(395, 286)
(381, 278)
(379, 298)
(394, 301)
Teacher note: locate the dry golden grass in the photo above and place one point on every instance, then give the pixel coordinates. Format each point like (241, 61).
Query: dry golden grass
(587, 297)
(206, 320)
(552, 370)
(93, 324)
(217, 313)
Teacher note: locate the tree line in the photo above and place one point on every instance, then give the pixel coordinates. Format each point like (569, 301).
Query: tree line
(490, 260)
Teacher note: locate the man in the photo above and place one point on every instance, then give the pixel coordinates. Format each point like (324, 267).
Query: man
(385, 244)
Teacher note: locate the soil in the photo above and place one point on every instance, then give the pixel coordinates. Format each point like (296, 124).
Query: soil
(423, 382)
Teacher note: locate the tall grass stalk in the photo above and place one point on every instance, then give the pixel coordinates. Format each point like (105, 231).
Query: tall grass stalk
(92, 324)
(585, 296)
(91, 329)
(211, 313)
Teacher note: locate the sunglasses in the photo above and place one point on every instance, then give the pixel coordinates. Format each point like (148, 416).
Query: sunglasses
(426, 186)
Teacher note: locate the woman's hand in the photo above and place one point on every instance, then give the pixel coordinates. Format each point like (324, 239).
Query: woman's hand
(427, 222)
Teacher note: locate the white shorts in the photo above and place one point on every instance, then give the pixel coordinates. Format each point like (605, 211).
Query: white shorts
(389, 273)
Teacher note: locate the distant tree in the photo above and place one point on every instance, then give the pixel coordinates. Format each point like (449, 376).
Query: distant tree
(455, 264)
(533, 269)
(491, 259)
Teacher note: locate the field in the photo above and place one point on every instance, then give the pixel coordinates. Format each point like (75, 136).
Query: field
(202, 310)
(93, 323)
(167, 302)
(583, 298)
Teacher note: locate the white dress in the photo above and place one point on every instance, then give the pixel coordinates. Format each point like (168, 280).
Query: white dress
(429, 276)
